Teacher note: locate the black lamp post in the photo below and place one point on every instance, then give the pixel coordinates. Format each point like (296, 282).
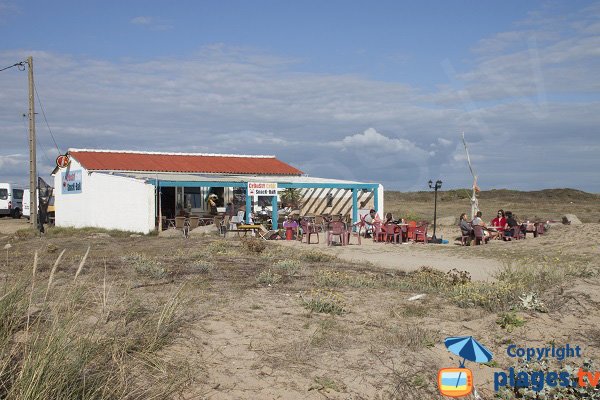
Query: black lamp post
(438, 184)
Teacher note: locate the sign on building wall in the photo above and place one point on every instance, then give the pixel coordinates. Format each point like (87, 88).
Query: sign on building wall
(256, 189)
(71, 182)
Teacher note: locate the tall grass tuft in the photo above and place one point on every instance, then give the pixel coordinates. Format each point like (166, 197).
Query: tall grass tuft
(82, 263)
(52, 272)
(60, 347)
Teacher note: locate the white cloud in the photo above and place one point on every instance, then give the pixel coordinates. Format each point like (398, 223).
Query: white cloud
(371, 140)
(153, 23)
(141, 20)
(520, 97)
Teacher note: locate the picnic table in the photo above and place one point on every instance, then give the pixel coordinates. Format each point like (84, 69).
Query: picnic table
(244, 228)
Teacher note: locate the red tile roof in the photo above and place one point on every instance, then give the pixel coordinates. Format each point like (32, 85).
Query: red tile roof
(182, 162)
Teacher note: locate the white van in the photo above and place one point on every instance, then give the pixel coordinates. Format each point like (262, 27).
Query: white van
(11, 200)
(49, 211)
(26, 204)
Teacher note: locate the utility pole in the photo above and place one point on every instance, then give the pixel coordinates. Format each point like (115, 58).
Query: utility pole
(33, 199)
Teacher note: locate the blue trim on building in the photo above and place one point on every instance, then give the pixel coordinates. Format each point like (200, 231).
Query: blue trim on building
(282, 185)
(355, 187)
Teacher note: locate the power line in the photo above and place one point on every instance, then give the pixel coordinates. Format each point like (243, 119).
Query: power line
(45, 119)
(36, 140)
(20, 65)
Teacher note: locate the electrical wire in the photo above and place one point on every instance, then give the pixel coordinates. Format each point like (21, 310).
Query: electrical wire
(20, 65)
(37, 142)
(45, 119)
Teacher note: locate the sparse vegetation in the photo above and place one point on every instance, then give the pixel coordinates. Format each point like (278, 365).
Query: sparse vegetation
(147, 266)
(325, 301)
(288, 267)
(127, 331)
(201, 266)
(510, 321)
(254, 245)
(268, 277)
(316, 256)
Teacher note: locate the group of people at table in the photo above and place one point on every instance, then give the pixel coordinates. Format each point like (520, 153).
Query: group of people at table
(370, 225)
(504, 226)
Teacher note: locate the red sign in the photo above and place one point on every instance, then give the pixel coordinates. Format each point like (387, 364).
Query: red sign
(63, 161)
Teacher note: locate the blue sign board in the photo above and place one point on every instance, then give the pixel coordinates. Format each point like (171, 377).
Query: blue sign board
(71, 182)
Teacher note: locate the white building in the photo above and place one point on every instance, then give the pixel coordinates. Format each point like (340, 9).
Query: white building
(120, 189)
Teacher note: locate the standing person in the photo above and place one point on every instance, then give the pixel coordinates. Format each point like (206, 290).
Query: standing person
(229, 210)
(212, 203)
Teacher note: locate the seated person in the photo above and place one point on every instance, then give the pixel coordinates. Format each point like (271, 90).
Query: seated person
(371, 219)
(499, 221)
(389, 218)
(511, 222)
(465, 226)
(291, 223)
(477, 221)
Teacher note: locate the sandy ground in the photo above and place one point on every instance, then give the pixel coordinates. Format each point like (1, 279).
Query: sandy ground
(248, 340)
(408, 257)
(9, 226)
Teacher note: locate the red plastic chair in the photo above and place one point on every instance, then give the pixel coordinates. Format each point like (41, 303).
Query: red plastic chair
(309, 229)
(357, 229)
(378, 233)
(420, 233)
(539, 229)
(479, 234)
(393, 232)
(337, 228)
(410, 231)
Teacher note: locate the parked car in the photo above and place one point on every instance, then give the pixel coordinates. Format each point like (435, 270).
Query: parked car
(11, 200)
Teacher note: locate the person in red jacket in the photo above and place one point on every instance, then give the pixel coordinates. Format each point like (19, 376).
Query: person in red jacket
(499, 221)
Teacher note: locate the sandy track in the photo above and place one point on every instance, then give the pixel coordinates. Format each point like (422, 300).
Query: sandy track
(407, 257)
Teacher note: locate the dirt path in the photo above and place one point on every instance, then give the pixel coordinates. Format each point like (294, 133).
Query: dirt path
(407, 257)
(8, 226)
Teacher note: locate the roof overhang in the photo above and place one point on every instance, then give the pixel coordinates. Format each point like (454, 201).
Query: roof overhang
(204, 180)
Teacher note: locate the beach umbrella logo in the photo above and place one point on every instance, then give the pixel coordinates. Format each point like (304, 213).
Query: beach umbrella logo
(458, 382)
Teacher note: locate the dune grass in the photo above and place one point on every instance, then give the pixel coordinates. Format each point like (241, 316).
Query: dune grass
(59, 344)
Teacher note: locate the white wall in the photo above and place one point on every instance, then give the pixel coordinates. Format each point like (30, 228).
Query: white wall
(106, 201)
(380, 209)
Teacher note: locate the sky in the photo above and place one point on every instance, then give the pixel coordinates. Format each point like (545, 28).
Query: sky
(375, 91)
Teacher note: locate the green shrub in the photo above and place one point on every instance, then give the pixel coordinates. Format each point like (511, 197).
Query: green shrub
(268, 277)
(147, 266)
(201, 266)
(288, 267)
(316, 256)
(254, 245)
(325, 301)
(329, 278)
(493, 296)
(510, 321)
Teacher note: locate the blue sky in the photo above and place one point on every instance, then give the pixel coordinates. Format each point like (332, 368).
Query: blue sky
(376, 91)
